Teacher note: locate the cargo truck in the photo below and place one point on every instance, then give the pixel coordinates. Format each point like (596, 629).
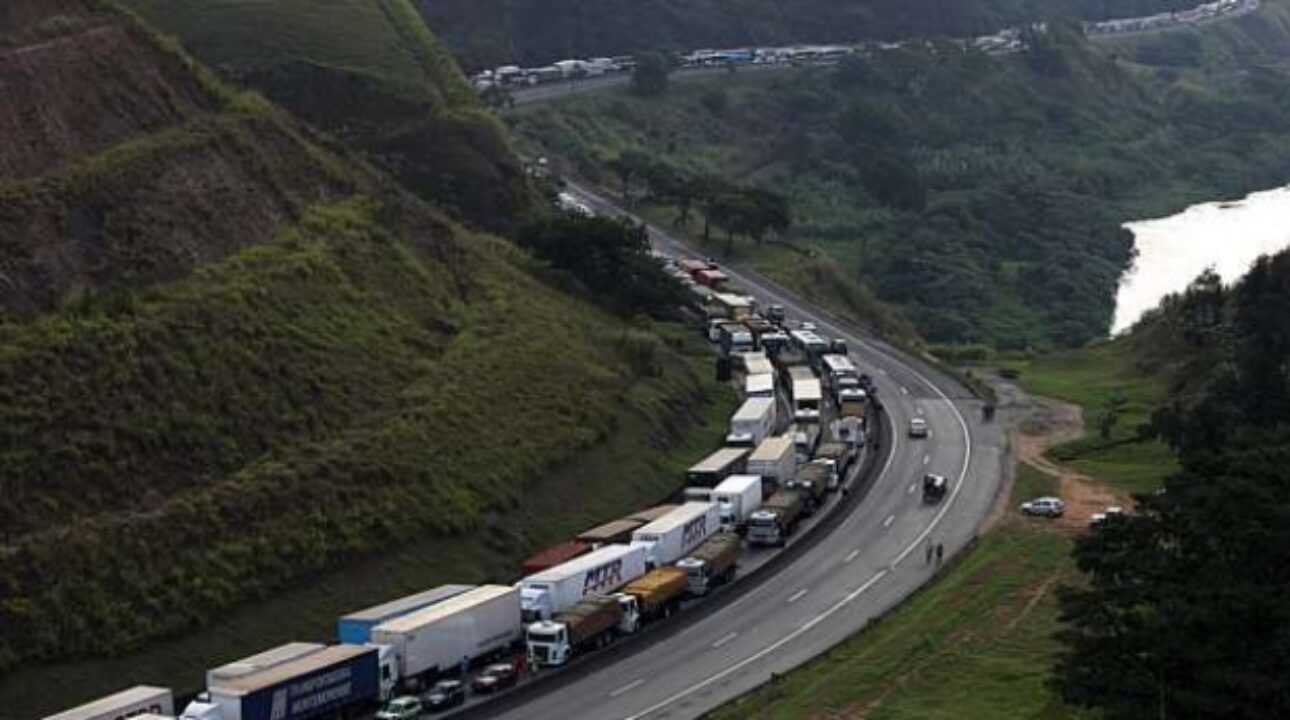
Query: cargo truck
(755, 364)
(736, 338)
(775, 460)
(651, 596)
(753, 422)
(841, 455)
(674, 535)
(737, 497)
(356, 628)
(552, 556)
(839, 372)
(588, 624)
(812, 482)
(852, 402)
(759, 386)
(137, 701)
(339, 680)
(808, 400)
(713, 563)
(437, 640)
(652, 514)
(601, 571)
(618, 531)
(777, 519)
(717, 467)
(260, 662)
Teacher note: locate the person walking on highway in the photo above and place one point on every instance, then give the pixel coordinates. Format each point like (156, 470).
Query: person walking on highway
(940, 553)
(930, 549)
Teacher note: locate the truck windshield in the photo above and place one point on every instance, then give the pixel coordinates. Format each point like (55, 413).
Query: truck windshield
(543, 636)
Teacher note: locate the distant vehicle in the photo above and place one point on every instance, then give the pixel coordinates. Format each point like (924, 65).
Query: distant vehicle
(141, 700)
(495, 677)
(934, 488)
(808, 326)
(776, 314)
(1044, 507)
(918, 428)
(407, 707)
(443, 695)
(1096, 518)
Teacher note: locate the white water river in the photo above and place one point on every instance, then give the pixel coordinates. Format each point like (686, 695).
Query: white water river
(1172, 251)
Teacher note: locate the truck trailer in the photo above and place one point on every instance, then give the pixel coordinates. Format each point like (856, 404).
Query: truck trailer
(775, 460)
(589, 624)
(260, 662)
(338, 680)
(617, 531)
(653, 595)
(675, 535)
(713, 564)
(808, 400)
(601, 571)
(356, 627)
(777, 519)
(812, 482)
(436, 640)
(137, 701)
(759, 386)
(752, 423)
(554, 555)
(737, 497)
(717, 467)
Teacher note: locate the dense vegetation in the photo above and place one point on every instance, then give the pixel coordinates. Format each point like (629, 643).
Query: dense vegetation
(233, 359)
(1187, 605)
(487, 33)
(371, 74)
(983, 196)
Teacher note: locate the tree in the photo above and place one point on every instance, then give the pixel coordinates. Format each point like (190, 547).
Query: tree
(627, 166)
(650, 78)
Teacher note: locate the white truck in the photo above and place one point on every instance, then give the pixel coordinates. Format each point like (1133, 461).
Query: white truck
(674, 535)
(808, 398)
(775, 460)
(753, 422)
(840, 373)
(137, 701)
(473, 624)
(759, 386)
(737, 497)
(599, 571)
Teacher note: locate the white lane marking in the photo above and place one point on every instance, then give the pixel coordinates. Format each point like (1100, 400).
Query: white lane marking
(904, 390)
(912, 488)
(725, 640)
(798, 595)
(887, 523)
(927, 459)
(883, 371)
(847, 600)
(627, 688)
(852, 555)
(918, 410)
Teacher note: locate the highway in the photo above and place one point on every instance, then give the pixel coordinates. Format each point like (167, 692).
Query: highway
(863, 567)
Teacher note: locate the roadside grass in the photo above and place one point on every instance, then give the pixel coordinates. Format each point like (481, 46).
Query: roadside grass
(977, 643)
(1103, 379)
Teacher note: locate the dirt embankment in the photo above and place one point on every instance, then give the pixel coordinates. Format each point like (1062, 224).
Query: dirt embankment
(19, 16)
(82, 93)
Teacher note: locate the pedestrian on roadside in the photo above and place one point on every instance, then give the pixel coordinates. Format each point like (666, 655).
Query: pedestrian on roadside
(940, 553)
(521, 662)
(930, 549)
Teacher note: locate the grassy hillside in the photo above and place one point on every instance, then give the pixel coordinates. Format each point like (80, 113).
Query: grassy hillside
(983, 196)
(371, 74)
(236, 365)
(487, 33)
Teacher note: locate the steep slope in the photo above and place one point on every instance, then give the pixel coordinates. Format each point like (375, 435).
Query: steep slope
(370, 73)
(232, 359)
(487, 33)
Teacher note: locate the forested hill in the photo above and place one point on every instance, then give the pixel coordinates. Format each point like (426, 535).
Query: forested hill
(486, 33)
(233, 358)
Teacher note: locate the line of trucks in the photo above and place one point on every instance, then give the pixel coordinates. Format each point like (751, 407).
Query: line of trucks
(578, 595)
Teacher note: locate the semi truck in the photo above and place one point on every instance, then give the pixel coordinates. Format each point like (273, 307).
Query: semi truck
(338, 680)
(775, 460)
(839, 372)
(852, 402)
(652, 514)
(736, 338)
(436, 640)
(600, 571)
(134, 702)
(674, 535)
(737, 497)
(554, 555)
(841, 455)
(753, 422)
(759, 386)
(777, 519)
(713, 563)
(356, 627)
(653, 595)
(808, 400)
(588, 624)
(812, 483)
(717, 467)
(260, 662)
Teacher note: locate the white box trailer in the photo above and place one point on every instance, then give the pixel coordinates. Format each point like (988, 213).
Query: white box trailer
(601, 571)
(753, 422)
(140, 700)
(737, 497)
(471, 625)
(674, 535)
(228, 672)
(762, 386)
(775, 460)
(807, 400)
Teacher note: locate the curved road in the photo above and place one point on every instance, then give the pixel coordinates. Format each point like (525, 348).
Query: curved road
(865, 566)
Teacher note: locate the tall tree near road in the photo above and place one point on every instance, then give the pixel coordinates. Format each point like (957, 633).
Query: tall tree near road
(650, 78)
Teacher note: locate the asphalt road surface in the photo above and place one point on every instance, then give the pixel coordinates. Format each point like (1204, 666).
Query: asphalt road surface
(864, 567)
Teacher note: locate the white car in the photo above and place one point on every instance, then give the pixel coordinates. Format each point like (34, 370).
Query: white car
(401, 708)
(1044, 506)
(918, 428)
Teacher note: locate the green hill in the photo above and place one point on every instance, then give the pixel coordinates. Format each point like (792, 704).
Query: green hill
(237, 365)
(370, 73)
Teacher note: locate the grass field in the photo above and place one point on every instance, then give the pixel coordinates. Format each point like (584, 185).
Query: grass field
(975, 644)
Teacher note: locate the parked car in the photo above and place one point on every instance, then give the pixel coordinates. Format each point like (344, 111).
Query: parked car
(407, 707)
(443, 695)
(495, 677)
(918, 428)
(1044, 506)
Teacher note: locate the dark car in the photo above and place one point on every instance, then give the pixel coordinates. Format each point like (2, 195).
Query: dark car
(934, 488)
(495, 677)
(443, 695)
